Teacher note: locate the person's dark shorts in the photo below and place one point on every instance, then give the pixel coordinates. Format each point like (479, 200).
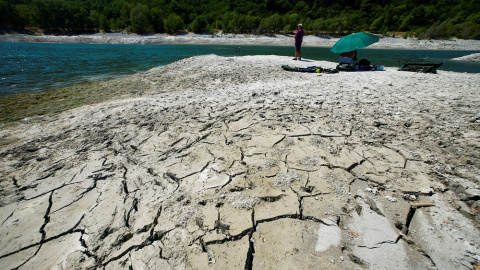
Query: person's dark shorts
(297, 47)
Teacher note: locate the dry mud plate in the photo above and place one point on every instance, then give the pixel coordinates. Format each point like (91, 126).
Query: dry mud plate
(233, 163)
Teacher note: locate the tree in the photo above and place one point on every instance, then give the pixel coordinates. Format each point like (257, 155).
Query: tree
(274, 23)
(173, 24)
(156, 19)
(138, 18)
(251, 23)
(94, 18)
(10, 17)
(301, 7)
(104, 23)
(459, 18)
(46, 15)
(199, 25)
(24, 16)
(291, 21)
(377, 24)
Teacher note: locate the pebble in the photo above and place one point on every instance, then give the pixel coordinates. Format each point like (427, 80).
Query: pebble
(372, 190)
(391, 199)
(409, 197)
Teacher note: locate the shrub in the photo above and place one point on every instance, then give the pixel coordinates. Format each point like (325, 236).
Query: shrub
(173, 24)
(138, 18)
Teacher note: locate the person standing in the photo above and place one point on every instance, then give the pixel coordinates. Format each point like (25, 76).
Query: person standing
(298, 42)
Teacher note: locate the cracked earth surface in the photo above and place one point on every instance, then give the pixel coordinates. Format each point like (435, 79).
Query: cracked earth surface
(233, 163)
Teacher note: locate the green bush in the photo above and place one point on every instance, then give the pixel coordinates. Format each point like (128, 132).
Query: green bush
(138, 18)
(199, 25)
(173, 24)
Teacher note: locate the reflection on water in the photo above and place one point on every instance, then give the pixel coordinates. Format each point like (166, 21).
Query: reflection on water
(30, 67)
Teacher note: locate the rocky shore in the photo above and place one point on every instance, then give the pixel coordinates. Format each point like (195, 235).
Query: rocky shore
(475, 57)
(230, 39)
(233, 163)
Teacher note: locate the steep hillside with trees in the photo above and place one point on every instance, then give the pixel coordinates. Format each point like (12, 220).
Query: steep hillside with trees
(420, 18)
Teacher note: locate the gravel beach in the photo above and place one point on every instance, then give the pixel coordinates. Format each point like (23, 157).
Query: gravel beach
(230, 39)
(233, 163)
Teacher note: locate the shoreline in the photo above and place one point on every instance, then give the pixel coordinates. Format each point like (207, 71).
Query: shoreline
(230, 39)
(27, 106)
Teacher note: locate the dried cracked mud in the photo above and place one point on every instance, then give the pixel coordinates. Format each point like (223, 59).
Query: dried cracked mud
(233, 163)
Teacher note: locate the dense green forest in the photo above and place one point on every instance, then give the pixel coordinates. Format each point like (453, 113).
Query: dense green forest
(419, 18)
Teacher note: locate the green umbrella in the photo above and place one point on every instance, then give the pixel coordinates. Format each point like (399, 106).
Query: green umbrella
(353, 42)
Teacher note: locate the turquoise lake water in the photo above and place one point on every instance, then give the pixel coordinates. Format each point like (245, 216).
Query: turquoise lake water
(27, 67)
